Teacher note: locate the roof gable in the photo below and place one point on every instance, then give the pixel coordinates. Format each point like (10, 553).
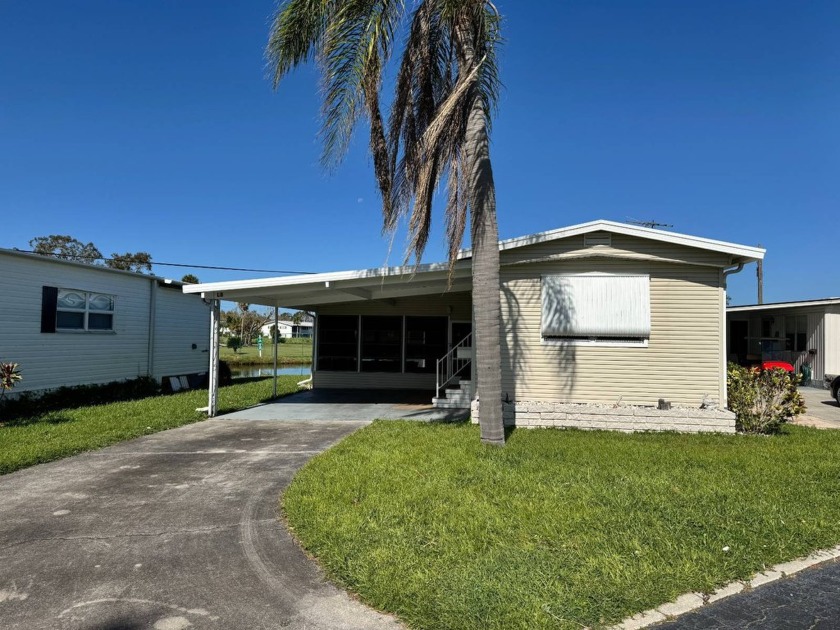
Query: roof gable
(742, 253)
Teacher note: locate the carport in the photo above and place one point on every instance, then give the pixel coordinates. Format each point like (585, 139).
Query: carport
(431, 295)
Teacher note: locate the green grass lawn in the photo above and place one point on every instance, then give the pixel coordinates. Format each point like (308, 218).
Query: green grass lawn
(293, 352)
(69, 431)
(559, 529)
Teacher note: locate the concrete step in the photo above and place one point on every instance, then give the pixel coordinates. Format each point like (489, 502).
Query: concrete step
(445, 403)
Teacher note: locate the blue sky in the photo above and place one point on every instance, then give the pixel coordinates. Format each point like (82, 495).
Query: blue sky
(150, 125)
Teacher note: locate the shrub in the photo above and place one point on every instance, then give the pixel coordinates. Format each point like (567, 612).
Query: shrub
(762, 400)
(234, 343)
(9, 377)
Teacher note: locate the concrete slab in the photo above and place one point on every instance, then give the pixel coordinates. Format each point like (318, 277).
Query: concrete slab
(822, 410)
(174, 530)
(350, 405)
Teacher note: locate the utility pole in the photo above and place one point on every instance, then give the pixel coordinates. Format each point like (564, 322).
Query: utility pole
(759, 273)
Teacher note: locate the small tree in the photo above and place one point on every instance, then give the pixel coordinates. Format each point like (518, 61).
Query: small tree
(139, 262)
(190, 279)
(763, 400)
(65, 247)
(234, 343)
(9, 376)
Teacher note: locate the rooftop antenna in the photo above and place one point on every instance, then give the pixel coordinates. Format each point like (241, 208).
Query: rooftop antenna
(649, 224)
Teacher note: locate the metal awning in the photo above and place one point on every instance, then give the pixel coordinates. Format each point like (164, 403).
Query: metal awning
(307, 292)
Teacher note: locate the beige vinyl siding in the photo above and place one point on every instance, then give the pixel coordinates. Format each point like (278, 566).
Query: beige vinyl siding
(51, 360)
(682, 362)
(180, 321)
(621, 246)
(457, 306)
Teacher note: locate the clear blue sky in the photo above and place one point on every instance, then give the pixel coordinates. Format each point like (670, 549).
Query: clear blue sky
(150, 125)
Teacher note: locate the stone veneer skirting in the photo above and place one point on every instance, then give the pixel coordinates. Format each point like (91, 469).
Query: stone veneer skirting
(621, 418)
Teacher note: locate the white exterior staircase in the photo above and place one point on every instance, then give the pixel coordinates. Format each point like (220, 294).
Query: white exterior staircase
(453, 388)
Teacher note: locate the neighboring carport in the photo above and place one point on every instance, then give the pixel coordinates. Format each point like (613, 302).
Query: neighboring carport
(313, 291)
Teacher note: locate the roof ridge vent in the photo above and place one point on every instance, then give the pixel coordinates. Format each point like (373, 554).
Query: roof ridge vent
(597, 238)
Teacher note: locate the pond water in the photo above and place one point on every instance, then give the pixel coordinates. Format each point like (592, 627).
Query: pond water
(252, 371)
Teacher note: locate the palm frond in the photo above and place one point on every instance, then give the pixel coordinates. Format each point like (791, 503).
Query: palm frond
(297, 30)
(448, 65)
(357, 45)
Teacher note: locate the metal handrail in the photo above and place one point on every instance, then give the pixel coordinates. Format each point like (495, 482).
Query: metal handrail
(449, 365)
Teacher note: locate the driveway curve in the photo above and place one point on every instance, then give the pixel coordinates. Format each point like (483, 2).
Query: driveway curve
(174, 530)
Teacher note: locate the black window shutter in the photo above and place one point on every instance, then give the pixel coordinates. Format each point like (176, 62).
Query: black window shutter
(49, 302)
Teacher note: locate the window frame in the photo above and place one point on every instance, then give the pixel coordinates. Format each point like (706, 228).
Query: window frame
(86, 312)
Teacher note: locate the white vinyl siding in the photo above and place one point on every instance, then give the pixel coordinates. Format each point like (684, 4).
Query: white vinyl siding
(180, 323)
(831, 344)
(596, 307)
(50, 360)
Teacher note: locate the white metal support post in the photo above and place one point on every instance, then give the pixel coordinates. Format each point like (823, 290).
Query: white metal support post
(213, 376)
(276, 332)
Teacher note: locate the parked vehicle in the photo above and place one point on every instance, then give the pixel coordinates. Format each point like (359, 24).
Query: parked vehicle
(776, 365)
(835, 389)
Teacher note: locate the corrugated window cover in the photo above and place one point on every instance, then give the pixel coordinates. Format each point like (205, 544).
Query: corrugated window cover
(596, 306)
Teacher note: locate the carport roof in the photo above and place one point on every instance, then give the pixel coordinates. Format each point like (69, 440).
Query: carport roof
(303, 291)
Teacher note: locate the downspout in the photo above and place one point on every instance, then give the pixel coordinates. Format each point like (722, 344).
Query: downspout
(150, 360)
(725, 332)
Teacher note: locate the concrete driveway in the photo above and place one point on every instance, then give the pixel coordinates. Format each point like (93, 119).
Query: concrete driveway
(822, 410)
(171, 531)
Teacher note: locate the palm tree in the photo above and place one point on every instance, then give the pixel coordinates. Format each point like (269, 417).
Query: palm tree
(437, 129)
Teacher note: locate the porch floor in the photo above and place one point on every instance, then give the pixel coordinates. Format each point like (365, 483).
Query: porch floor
(351, 405)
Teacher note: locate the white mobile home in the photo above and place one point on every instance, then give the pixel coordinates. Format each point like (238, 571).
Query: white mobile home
(69, 323)
(601, 312)
(289, 330)
(802, 333)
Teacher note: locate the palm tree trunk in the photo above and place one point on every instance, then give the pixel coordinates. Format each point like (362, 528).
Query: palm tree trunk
(485, 274)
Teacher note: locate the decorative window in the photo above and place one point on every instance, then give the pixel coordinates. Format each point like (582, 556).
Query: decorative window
(82, 310)
(596, 309)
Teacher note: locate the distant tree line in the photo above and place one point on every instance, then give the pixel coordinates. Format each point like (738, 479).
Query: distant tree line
(65, 247)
